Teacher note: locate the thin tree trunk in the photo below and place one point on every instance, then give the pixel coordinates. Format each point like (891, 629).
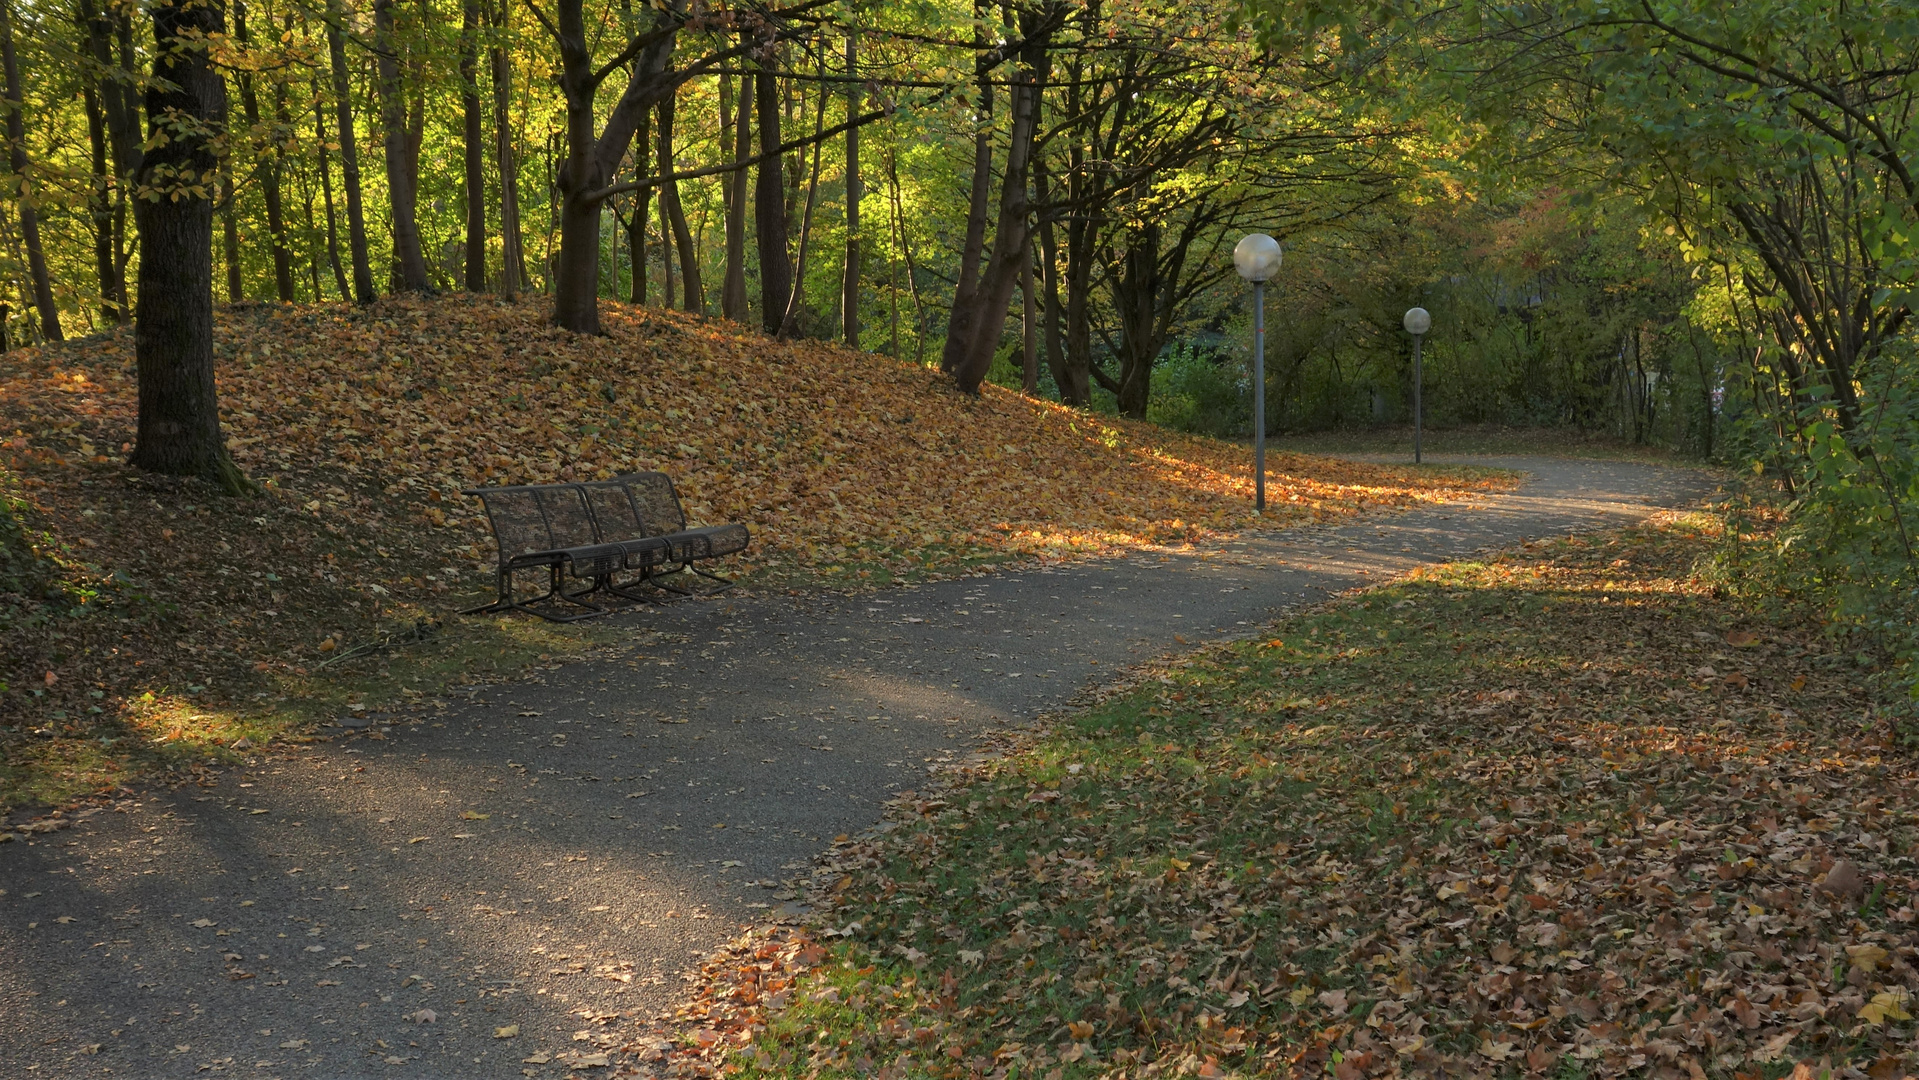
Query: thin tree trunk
(270, 170)
(326, 194)
(695, 294)
(506, 163)
(179, 422)
(1072, 389)
(906, 249)
(850, 280)
(408, 273)
(475, 147)
(769, 207)
(120, 113)
(790, 323)
(642, 209)
(349, 154)
(100, 210)
(667, 293)
(230, 227)
(1029, 324)
(959, 323)
(733, 290)
(17, 160)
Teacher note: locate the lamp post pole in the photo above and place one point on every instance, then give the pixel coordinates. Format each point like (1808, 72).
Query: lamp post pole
(1419, 383)
(1417, 322)
(1259, 397)
(1256, 257)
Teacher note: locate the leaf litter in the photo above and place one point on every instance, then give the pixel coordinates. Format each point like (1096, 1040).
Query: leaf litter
(141, 614)
(1487, 820)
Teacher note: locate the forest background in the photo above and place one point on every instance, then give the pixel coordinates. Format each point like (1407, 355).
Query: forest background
(1660, 221)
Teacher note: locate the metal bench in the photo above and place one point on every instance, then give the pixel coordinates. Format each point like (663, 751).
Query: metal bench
(553, 527)
(593, 531)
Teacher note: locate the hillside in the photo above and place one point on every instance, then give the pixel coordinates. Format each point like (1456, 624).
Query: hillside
(142, 616)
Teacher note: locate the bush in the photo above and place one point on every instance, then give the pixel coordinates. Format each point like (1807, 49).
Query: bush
(1202, 393)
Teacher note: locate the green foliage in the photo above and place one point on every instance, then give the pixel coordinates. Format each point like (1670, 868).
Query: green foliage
(1201, 392)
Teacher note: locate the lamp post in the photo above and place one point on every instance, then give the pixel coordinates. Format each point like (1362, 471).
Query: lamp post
(1417, 322)
(1256, 257)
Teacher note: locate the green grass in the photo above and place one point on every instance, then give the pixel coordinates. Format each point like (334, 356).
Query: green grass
(1494, 819)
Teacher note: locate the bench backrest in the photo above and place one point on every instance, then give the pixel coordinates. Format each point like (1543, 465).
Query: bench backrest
(613, 507)
(657, 502)
(530, 518)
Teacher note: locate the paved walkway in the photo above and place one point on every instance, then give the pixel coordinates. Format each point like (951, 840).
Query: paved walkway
(546, 856)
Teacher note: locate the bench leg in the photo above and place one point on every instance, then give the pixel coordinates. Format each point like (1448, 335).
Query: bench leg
(555, 591)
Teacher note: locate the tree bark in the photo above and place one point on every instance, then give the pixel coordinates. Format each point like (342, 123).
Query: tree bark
(769, 207)
(349, 154)
(179, 424)
(855, 190)
(506, 163)
(474, 146)
(270, 170)
(733, 289)
(43, 301)
(959, 324)
(693, 292)
(408, 273)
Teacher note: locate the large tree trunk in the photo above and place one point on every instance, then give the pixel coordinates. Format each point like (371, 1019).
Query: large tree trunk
(594, 151)
(1010, 239)
(695, 293)
(769, 206)
(733, 289)
(270, 170)
(349, 154)
(402, 157)
(506, 163)
(17, 160)
(474, 146)
(855, 190)
(959, 324)
(179, 425)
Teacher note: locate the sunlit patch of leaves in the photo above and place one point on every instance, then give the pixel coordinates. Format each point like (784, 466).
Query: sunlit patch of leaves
(1561, 812)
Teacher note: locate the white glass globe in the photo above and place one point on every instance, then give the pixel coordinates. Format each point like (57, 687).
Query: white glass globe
(1418, 321)
(1256, 257)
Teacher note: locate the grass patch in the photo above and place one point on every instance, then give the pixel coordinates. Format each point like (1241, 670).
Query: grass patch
(1563, 812)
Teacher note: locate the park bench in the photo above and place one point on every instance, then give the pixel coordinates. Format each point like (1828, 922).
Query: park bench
(592, 532)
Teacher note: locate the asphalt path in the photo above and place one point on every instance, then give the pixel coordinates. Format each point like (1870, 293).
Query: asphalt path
(521, 878)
